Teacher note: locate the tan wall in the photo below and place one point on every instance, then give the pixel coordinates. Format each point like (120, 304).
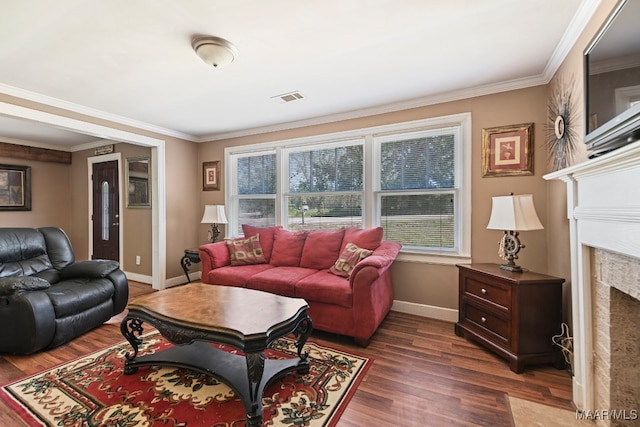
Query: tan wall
(182, 207)
(437, 285)
(557, 227)
(50, 196)
(136, 223)
(181, 195)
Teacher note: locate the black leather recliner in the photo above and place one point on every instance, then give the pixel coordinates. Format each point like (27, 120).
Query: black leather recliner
(48, 299)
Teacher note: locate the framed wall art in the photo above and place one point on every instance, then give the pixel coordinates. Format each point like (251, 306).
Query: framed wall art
(138, 185)
(211, 176)
(507, 150)
(15, 188)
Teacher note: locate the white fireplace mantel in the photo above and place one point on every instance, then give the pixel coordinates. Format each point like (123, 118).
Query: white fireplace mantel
(603, 207)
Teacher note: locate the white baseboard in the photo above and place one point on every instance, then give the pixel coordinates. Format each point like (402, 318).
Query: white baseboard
(430, 311)
(181, 280)
(139, 277)
(174, 281)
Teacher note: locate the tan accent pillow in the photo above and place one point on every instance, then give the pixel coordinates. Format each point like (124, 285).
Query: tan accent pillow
(348, 259)
(246, 251)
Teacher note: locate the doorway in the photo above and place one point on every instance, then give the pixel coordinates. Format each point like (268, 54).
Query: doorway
(105, 217)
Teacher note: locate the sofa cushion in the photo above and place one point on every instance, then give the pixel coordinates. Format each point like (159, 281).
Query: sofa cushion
(235, 275)
(348, 259)
(70, 297)
(246, 251)
(287, 248)
(321, 248)
(279, 280)
(367, 238)
(266, 237)
(325, 287)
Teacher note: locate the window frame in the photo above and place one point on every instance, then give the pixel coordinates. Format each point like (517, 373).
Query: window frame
(371, 138)
(285, 184)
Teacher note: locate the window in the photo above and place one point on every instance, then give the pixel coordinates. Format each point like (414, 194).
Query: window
(254, 194)
(417, 188)
(325, 186)
(413, 179)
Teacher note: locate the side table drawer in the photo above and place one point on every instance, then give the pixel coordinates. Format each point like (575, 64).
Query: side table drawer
(500, 295)
(489, 322)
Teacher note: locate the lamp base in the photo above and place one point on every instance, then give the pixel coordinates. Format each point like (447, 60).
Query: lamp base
(214, 233)
(511, 267)
(508, 249)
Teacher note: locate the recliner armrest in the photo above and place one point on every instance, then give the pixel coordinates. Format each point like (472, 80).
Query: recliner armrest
(94, 269)
(18, 284)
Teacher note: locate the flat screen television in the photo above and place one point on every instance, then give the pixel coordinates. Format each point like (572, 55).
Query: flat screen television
(612, 79)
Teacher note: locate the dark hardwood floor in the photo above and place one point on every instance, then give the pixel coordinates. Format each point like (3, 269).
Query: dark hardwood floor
(423, 375)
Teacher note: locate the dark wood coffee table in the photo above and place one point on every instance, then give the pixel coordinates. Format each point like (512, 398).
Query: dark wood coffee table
(193, 315)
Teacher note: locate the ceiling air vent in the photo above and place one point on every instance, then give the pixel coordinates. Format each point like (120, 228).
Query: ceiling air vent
(288, 97)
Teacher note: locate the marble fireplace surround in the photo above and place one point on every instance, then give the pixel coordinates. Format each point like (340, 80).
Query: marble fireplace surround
(603, 207)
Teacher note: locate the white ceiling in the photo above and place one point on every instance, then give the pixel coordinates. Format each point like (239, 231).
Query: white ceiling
(132, 62)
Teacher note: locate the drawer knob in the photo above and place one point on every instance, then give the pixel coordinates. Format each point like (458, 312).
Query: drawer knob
(484, 291)
(484, 319)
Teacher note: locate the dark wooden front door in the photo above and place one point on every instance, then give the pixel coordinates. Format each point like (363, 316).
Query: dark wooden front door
(106, 208)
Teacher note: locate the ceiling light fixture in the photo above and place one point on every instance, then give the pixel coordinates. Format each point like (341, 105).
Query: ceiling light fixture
(214, 50)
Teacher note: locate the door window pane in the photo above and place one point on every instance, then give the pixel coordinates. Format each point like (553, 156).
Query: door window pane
(105, 210)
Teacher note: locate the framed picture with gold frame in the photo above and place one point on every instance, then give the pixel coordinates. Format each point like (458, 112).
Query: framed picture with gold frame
(15, 188)
(507, 150)
(211, 176)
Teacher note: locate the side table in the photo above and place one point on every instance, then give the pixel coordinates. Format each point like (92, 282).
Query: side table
(191, 256)
(513, 314)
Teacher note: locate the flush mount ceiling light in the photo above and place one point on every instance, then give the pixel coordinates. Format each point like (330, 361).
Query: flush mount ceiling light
(214, 50)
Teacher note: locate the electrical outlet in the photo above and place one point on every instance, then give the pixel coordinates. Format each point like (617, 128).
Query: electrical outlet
(137, 259)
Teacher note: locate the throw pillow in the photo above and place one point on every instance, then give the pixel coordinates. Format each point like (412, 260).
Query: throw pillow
(246, 251)
(367, 238)
(350, 256)
(266, 237)
(287, 248)
(321, 249)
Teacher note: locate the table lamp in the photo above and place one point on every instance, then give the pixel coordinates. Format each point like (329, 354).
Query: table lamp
(214, 215)
(512, 214)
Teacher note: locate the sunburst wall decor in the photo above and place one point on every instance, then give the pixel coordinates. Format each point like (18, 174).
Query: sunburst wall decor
(562, 115)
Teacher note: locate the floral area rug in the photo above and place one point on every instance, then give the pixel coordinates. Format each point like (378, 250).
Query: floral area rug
(93, 391)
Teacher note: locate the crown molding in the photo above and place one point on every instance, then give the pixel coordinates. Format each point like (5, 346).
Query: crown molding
(91, 112)
(483, 90)
(575, 28)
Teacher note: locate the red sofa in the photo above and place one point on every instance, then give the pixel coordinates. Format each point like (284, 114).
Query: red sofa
(297, 264)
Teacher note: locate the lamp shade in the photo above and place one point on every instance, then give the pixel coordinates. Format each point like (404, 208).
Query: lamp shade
(516, 213)
(214, 214)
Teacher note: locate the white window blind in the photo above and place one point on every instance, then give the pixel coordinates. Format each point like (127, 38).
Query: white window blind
(325, 187)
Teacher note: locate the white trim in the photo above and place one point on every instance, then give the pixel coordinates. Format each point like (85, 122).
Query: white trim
(424, 310)
(159, 210)
(91, 112)
(603, 212)
(369, 137)
(583, 15)
(90, 162)
(142, 278)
